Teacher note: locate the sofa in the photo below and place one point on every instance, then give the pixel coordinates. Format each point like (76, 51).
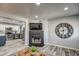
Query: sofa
(2, 40)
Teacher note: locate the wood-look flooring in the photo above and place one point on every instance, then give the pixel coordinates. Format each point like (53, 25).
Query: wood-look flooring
(51, 50)
(13, 46)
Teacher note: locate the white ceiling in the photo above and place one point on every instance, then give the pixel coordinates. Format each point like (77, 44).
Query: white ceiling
(44, 10)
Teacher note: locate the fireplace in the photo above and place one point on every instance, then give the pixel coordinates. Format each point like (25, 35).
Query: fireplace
(36, 37)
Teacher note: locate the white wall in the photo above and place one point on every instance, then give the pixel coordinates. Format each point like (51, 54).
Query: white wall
(73, 41)
(2, 30)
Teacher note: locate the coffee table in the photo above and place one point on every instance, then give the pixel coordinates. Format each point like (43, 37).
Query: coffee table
(28, 52)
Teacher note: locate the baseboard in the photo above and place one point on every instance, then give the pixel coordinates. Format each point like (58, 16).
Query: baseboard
(62, 46)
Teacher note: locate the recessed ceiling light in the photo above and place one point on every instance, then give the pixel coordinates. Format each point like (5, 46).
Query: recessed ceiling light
(37, 3)
(66, 8)
(36, 16)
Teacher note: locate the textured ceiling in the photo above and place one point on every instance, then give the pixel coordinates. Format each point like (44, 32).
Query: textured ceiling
(44, 11)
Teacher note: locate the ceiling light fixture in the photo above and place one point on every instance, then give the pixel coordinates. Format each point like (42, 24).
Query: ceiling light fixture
(37, 3)
(66, 8)
(36, 16)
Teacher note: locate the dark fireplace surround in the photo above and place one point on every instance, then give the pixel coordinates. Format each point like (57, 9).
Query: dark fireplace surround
(36, 35)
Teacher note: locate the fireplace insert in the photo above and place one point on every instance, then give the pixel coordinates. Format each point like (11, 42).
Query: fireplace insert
(36, 38)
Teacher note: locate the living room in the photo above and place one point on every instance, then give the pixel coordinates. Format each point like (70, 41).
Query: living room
(50, 28)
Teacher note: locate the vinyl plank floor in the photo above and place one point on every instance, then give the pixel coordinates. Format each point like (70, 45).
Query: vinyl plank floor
(13, 46)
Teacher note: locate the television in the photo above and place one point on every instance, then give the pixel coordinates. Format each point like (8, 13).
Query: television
(35, 26)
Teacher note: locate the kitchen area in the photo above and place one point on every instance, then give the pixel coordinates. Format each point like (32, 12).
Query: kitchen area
(11, 30)
(12, 35)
